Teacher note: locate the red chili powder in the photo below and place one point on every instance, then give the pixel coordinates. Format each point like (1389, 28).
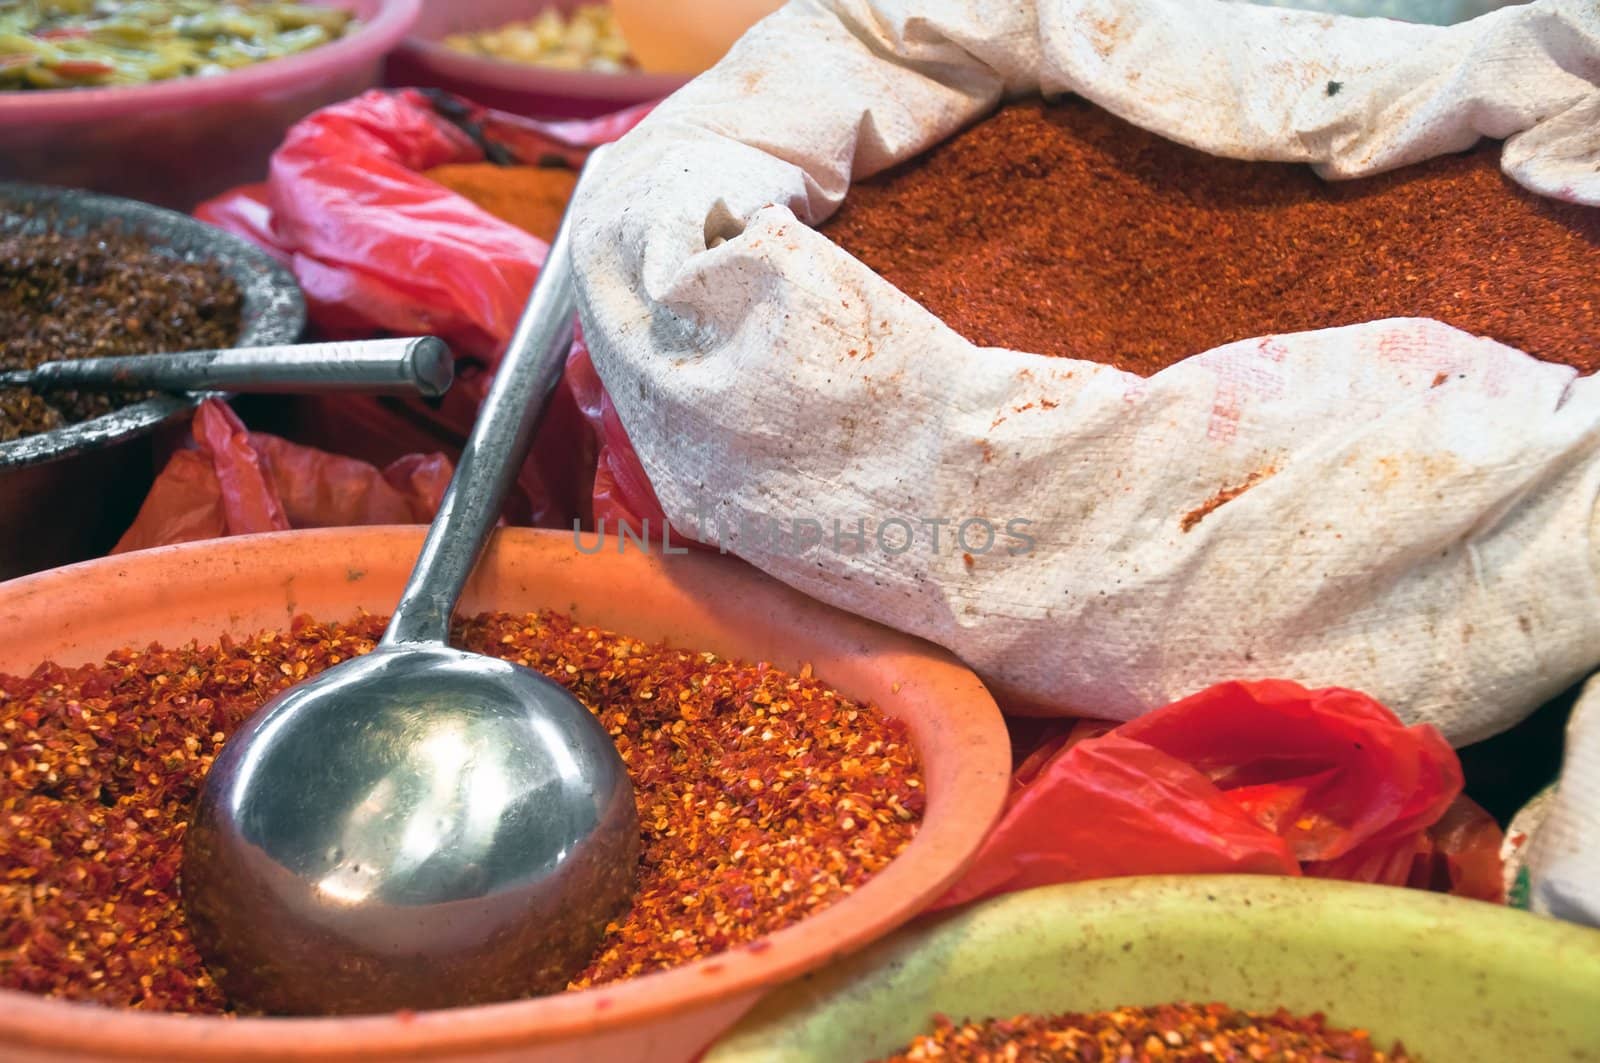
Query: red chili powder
(763, 796)
(1063, 230)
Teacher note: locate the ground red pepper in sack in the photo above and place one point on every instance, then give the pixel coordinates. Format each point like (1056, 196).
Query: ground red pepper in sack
(1261, 777)
(380, 248)
(1064, 230)
(1193, 1033)
(763, 796)
(234, 482)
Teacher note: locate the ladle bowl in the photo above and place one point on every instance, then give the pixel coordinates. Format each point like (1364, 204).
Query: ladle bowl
(481, 804)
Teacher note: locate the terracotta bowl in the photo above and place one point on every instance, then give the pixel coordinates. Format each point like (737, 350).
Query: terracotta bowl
(175, 594)
(1456, 980)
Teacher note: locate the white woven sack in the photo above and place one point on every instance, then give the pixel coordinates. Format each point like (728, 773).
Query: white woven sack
(1432, 545)
(1564, 852)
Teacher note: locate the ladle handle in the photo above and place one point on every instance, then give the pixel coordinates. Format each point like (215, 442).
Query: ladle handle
(516, 401)
(406, 366)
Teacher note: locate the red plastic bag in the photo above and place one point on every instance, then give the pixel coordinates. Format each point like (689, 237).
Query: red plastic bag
(1259, 777)
(1461, 855)
(379, 248)
(621, 495)
(233, 482)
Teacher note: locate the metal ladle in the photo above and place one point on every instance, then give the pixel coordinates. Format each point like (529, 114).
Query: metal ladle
(420, 365)
(421, 827)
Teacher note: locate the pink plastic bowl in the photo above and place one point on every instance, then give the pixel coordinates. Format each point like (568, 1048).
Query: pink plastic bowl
(516, 87)
(175, 143)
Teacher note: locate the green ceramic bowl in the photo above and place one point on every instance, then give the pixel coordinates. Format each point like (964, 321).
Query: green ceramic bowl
(1457, 981)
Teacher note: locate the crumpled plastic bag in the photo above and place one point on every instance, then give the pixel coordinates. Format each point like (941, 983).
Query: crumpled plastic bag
(620, 494)
(235, 482)
(380, 249)
(1431, 545)
(1461, 854)
(1261, 777)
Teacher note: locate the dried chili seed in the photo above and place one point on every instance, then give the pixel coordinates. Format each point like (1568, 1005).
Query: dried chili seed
(1187, 1032)
(762, 795)
(104, 293)
(1061, 229)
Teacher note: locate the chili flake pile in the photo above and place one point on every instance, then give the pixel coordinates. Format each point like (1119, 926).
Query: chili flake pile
(1186, 1032)
(1061, 229)
(104, 293)
(762, 795)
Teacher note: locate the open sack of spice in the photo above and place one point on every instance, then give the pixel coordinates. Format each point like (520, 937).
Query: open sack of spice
(411, 213)
(230, 481)
(1081, 396)
(1262, 777)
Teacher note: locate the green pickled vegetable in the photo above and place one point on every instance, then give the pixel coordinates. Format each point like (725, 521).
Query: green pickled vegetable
(56, 44)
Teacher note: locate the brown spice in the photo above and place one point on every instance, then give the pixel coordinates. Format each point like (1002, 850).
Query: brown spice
(763, 796)
(101, 294)
(1061, 229)
(1195, 1034)
(532, 198)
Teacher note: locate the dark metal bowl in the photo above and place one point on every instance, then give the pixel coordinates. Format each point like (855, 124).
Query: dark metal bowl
(68, 494)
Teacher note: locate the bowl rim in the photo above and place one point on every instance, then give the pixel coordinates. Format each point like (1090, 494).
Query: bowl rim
(684, 584)
(1166, 899)
(274, 305)
(430, 51)
(507, 74)
(392, 20)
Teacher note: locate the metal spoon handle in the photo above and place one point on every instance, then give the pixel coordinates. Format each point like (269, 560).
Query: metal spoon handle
(421, 365)
(516, 401)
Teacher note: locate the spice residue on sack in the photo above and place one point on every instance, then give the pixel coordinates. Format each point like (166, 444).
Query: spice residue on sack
(533, 198)
(763, 796)
(99, 294)
(1223, 497)
(1063, 230)
(1144, 1035)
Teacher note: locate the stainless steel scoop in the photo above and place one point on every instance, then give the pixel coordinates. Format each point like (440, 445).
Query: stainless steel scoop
(421, 827)
(421, 365)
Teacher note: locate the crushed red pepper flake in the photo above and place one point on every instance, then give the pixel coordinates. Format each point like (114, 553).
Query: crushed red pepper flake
(763, 796)
(1168, 1032)
(1061, 229)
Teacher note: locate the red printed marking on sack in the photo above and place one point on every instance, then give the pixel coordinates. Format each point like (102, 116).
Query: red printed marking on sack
(1242, 375)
